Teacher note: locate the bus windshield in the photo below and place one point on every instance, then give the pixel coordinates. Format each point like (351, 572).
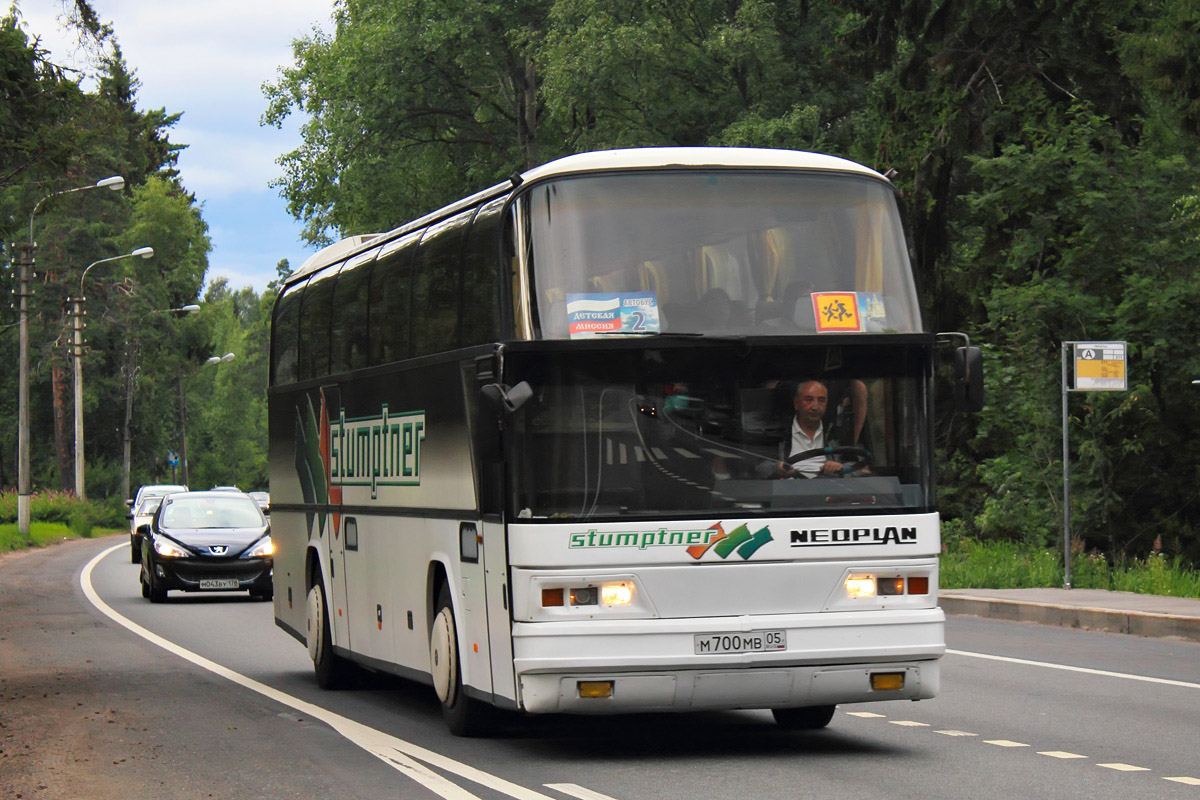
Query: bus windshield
(696, 430)
(717, 252)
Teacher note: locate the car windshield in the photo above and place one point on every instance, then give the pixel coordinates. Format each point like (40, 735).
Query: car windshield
(724, 252)
(693, 430)
(149, 506)
(212, 512)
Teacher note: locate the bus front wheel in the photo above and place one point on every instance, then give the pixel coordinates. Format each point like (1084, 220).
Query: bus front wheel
(803, 719)
(332, 670)
(464, 716)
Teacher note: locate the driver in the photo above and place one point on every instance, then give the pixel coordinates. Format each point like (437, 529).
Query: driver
(808, 432)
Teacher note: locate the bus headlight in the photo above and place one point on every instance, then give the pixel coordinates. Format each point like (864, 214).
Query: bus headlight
(860, 586)
(616, 594)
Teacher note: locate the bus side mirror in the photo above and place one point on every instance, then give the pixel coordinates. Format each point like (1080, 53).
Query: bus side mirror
(968, 379)
(506, 399)
(498, 403)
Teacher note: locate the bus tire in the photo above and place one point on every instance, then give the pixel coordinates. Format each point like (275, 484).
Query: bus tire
(803, 719)
(333, 671)
(463, 715)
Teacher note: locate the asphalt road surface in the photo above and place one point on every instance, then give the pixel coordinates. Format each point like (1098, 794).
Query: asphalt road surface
(103, 695)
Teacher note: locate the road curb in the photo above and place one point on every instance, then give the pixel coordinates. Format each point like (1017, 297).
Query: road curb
(1138, 623)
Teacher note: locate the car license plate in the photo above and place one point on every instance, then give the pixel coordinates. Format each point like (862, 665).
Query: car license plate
(753, 642)
(219, 583)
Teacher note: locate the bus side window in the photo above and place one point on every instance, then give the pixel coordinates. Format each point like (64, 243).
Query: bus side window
(285, 335)
(316, 317)
(349, 337)
(481, 277)
(389, 306)
(437, 286)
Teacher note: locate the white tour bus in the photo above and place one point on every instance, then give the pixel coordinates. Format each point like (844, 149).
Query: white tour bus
(539, 448)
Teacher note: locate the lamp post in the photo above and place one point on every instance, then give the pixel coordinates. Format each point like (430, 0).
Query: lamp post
(77, 359)
(24, 487)
(183, 414)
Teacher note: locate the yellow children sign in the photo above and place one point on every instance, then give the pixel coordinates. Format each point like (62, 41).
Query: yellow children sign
(837, 312)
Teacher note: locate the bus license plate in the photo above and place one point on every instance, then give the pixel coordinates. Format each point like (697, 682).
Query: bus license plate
(219, 583)
(753, 642)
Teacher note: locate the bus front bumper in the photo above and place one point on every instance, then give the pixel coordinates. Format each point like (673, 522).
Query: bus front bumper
(653, 665)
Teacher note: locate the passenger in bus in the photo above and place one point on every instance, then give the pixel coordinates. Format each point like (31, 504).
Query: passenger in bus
(809, 431)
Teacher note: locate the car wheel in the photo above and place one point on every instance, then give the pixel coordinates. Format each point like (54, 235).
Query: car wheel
(156, 593)
(135, 552)
(265, 595)
(333, 671)
(142, 581)
(463, 715)
(803, 719)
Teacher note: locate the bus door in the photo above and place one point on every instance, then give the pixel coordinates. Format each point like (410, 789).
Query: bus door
(334, 535)
(499, 624)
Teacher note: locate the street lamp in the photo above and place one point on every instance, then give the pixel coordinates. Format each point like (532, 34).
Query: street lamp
(24, 488)
(77, 357)
(183, 413)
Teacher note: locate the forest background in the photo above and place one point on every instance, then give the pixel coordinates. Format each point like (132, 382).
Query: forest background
(1047, 153)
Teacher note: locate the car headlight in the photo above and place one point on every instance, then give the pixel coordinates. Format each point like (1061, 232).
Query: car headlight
(168, 549)
(263, 548)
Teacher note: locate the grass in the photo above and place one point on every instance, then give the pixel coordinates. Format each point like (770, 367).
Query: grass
(41, 534)
(972, 564)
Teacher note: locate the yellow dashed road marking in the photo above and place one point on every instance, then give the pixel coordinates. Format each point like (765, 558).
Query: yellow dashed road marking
(1188, 781)
(1059, 754)
(909, 723)
(1004, 743)
(1124, 767)
(956, 733)
(863, 714)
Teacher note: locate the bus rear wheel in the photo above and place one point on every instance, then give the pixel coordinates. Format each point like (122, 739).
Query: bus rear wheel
(803, 719)
(464, 716)
(333, 671)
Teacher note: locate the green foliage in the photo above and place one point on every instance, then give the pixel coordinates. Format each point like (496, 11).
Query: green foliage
(65, 508)
(973, 564)
(40, 535)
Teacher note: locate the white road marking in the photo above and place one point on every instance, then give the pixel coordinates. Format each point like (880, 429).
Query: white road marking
(864, 714)
(1059, 754)
(956, 733)
(577, 791)
(1085, 670)
(1004, 743)
(1124, 767)
(397, 753)
(909, 723)
(1186, 780)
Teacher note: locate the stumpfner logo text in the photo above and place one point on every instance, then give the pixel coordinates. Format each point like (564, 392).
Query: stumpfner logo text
(825, 537)
(383, 450)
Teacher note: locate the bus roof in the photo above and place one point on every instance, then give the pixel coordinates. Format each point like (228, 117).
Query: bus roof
(598, 161)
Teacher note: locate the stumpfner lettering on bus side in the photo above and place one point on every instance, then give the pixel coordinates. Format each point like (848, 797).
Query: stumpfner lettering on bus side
(819, 537)
(378, 450)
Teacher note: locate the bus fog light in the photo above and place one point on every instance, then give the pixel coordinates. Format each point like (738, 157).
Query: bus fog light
(616, 594)
(583, 596)
(595, 688)
(860, 586)
(887, 681)
(891, 586)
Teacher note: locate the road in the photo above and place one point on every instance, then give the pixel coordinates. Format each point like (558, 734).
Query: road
(1025, 711)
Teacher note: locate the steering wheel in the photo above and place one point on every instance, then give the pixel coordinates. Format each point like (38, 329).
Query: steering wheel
(861, 456)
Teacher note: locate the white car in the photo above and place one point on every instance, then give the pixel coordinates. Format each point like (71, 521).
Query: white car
(153, 490)
(140, 516)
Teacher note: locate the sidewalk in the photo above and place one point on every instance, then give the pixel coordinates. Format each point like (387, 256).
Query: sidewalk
(1094, 609)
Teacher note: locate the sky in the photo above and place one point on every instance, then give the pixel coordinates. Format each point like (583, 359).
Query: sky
(208, 59)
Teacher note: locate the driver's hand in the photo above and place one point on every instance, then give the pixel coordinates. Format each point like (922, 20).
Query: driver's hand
(784, 470)
(831, 468)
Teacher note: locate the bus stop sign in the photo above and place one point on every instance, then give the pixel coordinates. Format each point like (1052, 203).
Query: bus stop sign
(1099, 366)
